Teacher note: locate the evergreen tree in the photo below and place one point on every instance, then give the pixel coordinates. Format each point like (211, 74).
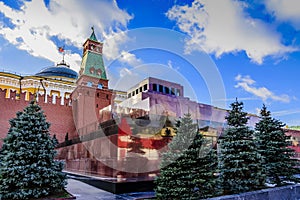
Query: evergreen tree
(188, 167)
(55, 140)
(27, 165)
(239, 161)
(206, 170)
(272, 142)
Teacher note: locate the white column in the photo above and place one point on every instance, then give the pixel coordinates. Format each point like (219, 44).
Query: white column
(46, 96)
(54, 98)
(37, 96)
(62, 96)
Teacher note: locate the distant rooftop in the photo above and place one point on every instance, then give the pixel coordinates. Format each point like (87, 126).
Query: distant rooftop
(60, 70)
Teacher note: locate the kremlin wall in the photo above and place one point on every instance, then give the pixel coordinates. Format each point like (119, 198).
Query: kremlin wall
(56, 104)
(105, 132)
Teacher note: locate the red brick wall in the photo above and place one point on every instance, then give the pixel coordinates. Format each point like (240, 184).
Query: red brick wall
(60, 116)
(87, 103)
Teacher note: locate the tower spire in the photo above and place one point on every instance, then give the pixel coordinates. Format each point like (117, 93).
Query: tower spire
(92, 64)
(93, 36)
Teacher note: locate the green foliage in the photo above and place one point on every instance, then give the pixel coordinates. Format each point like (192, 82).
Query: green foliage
(272, 143)
(239, 161)
(27, 167)
(55, 141)
(294, 127)
(188, 167)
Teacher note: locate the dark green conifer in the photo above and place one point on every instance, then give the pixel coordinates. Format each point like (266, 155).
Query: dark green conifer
(272, 142)
(188, 167)
(239, 161)
(27, 165)
(55, 140)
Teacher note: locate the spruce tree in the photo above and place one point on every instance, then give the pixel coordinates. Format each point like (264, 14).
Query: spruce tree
(272, 142)
(206, 170)
(239, 161)
(55, 140)
(188, 167)
(27, 165)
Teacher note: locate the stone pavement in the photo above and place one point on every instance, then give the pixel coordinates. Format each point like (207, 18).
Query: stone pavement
(83, 191)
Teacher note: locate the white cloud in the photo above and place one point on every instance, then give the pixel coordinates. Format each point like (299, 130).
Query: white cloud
(34, 25)
(220, 27)
(285, 10)
(130, 59)
(125, 79)
(111, 47)
(248, 84)
(246, 79)
(112, 43)
(286, 112)
(171, 65)
(125, 72)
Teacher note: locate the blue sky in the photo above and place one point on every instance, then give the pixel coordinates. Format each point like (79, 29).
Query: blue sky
(218, 50)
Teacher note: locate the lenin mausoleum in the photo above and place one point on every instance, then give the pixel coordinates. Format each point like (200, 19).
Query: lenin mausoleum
(103, 132)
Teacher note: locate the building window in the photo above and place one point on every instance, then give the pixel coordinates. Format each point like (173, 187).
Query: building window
(141, 89)
(145, 87)
(133, 93)
(107, 97)
(96, 105)
(89, 84)
(167, 90)
(161, 88)
(92, 70)
(154, 87)
(172, 91)
(177, 92)
(129, 95)
(100, 86)
(98, 95)
(136, 91)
